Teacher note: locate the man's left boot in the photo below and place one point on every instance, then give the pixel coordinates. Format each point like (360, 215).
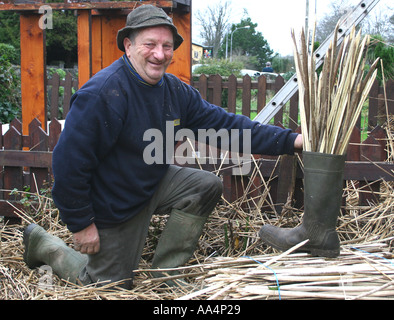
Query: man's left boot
(177, 243)
(323, 188)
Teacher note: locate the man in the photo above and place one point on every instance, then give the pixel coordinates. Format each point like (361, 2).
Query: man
(104, 188)
(268, 67)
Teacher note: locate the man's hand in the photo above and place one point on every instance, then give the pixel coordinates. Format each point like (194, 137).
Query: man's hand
(87, 240)
(298, 143)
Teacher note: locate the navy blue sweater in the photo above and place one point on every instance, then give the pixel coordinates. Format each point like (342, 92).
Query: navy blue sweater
(100, 174)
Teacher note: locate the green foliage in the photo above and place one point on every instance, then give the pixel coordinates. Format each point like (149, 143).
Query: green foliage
(222, 67)
(379, 49)
(60, 72)
(249, 43)
(62, 40)
(9, 53)
(9, 28)
(10, 99)
(283, 64)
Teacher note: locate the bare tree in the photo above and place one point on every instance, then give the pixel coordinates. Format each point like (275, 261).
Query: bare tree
(381, 23)
(378, 22)
(214, 23)
(329, 21)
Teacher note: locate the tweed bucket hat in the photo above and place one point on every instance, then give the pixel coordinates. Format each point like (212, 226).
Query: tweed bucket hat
(144, 17)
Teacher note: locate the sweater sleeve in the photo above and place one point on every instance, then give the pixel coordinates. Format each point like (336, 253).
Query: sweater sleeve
(90, 131)
(265, 139)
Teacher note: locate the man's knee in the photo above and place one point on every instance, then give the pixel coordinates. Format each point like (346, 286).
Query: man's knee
(211, 185)
(215, 183)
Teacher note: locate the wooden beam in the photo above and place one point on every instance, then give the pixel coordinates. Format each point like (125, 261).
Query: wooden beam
(109, 5)
(84, 47)
(20, 158)
(33, 71)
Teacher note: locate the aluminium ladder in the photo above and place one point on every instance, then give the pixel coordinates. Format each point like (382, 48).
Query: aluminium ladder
(353, 18)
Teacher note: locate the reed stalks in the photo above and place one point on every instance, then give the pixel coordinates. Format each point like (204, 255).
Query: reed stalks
(331, 102)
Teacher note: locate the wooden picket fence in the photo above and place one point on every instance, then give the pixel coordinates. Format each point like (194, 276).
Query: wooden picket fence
(59, 100)
(214, 89)
(26, 160)
(226, 91)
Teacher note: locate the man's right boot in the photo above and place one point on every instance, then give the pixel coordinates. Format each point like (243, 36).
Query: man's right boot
(41, 248)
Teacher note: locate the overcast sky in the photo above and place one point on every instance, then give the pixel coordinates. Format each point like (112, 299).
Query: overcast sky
(275, 18)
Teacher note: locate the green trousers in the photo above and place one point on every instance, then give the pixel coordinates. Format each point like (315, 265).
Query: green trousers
(192, 191)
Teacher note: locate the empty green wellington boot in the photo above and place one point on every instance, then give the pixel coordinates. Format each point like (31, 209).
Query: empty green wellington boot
(323, 188)
(41, 248)
(177, 243)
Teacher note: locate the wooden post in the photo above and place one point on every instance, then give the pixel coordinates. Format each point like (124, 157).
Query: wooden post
(110, 26)
(97, 48)
(286, 181)
(33, 71)
(232, 94)
(217, 89)
(84, 47)
(279, 83)
(246, 95)
(262, 93)
(182, 62)
(38, 142)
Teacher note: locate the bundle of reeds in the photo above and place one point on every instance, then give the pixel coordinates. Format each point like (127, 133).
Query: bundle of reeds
(330, 103)
(360, 273)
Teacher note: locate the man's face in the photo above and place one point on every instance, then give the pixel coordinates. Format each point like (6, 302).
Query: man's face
(151, 52)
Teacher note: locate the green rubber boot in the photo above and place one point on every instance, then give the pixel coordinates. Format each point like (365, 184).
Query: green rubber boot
(323, 188)
(41, 248)
(177, 243)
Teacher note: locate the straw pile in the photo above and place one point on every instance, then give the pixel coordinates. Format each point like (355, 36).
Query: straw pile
(231, 262)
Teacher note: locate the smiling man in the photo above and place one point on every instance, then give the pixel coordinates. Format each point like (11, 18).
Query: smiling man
(104, 189)
(150, 52)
